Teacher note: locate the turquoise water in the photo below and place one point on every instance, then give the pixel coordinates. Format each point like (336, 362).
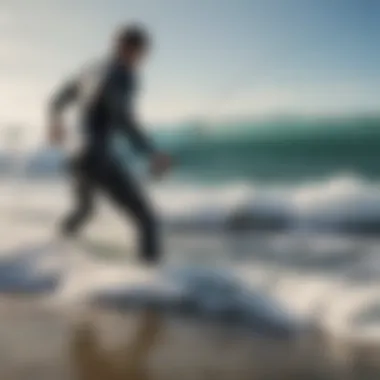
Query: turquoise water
(276, 150)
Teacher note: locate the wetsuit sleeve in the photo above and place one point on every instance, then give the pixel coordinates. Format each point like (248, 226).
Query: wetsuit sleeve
(65, 95)
(134, 131)
(118, 92)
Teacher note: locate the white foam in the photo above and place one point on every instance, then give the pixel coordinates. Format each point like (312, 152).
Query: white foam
(208, 293)
(330, 204)
(307, 267)
(23, 272)
(333, 203)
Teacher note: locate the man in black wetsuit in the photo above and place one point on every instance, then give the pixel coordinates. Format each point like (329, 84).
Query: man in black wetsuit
(95, 168)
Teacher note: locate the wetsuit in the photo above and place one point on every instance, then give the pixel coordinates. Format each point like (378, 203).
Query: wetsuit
(96, 168)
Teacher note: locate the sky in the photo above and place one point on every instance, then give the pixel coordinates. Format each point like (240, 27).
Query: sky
(211, 58)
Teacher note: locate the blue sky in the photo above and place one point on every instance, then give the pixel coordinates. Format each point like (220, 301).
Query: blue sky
(211, 58)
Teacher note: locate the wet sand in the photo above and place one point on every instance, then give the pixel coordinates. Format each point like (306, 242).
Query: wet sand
(39, 342)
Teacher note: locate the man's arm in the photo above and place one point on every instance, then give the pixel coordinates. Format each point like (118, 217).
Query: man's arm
(136, 134)
(63, 98)
(115, 91)
(160, 162)
(116, 94)
(65, 95)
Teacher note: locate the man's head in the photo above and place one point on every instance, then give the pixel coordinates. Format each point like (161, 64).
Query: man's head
(132, 45)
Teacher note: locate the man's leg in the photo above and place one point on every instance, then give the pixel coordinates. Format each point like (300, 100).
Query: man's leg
(84, 199)
(123, 190)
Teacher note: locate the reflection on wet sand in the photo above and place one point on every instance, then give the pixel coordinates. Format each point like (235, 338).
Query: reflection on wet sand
(168, 349)
(39, 343)
(92, 362)
(188, 349)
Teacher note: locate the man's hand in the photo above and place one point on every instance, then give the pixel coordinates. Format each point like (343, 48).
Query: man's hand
(160, 163)
(56, 132)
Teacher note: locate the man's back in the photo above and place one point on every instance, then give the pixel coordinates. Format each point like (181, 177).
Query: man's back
(109, 105)
(106, 94)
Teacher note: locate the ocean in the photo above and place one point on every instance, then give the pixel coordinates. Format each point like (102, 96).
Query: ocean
(285, 214)
(270, 265)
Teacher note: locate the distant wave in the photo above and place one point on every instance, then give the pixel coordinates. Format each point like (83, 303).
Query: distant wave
(279, 150)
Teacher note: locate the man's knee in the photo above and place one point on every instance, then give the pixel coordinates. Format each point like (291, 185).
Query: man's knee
(147, 218)
(86, 209)
(76, 219)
